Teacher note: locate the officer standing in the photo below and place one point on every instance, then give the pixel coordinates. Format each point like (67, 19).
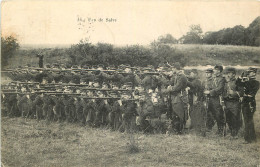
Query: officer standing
(40, 60)
(249, 105)
(232, 93)
(178, 99)
(214, 87)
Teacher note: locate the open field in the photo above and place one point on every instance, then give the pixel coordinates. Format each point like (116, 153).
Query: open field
(193, 54)
(32, 143)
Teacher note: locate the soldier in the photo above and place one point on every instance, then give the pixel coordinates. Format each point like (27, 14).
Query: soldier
(149, 81)
(40, 60)
(115, 115)
(79, 111)
(58, 109)
(128, 114)
(25, 105)
(103, 108)
(251, 86)
(38, 103)
(90, 109)
(232, 93)
(48, 106)
(145, 110)
(179, 100)
(196, 109)
(213, 88)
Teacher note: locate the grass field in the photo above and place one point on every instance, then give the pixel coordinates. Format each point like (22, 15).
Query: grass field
(31, 143)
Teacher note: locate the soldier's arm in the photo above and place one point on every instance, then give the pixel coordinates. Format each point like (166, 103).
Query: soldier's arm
(253, 89)
(181, 84)
(218, 90)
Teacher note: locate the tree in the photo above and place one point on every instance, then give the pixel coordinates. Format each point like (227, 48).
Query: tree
(8, 46)
(194, 36)
(253, 33)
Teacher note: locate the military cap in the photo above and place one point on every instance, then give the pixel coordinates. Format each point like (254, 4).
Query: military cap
(122, 66)
(127, 66)
(218, 67)
(252, 69)
(94, 67)
(230, 70)
(147, 69)
(113, 94)
(48, 66)
(195, 71)
(209, 70)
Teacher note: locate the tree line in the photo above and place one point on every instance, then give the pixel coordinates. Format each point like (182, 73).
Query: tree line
(238, 35)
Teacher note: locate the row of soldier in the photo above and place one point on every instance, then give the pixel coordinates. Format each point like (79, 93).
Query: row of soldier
(165, 96)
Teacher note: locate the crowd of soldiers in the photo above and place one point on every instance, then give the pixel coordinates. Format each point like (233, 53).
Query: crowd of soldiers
(162, 100)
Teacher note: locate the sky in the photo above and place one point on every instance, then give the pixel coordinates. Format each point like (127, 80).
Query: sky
(124, 22)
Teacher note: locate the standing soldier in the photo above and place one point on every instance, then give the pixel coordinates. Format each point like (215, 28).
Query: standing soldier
(114, 115)
(179, 100)
(196, 109)
(38, 103)
(214, 87)
(25, 105)
(129, 113)
(249, 105)
(90, 109)
(58, 108)
(48, 106)
(40, 60)
(79, 111)
(232, 93)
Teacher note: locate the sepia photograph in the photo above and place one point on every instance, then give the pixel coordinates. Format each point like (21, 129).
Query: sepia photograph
(145, 83)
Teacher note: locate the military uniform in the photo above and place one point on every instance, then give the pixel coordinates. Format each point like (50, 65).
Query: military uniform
(232, 93)
(38, 103)
(179, 100)
(58, 109)
(48, 105)
(249, 106)
(102, 113)
(115, 115)
(79, 111)
(196, 106)
(25, 105)
(90, 111)
(128, 115)
(69, 108)
(215, 86)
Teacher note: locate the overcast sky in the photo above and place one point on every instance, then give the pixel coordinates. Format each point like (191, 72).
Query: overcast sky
(134, 22)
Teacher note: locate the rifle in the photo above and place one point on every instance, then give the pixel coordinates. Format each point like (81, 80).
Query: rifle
(8, 90)
(151, 73)
(86, 97)
(222, 103)
(207, 108)
(25, 83)
(62, 93)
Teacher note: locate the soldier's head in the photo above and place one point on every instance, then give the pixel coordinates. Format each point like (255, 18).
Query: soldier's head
(230, 73)
(218, 70)
(155, 99)
(142, 96)
(252, 72)
(193, 73)
(209, 73)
